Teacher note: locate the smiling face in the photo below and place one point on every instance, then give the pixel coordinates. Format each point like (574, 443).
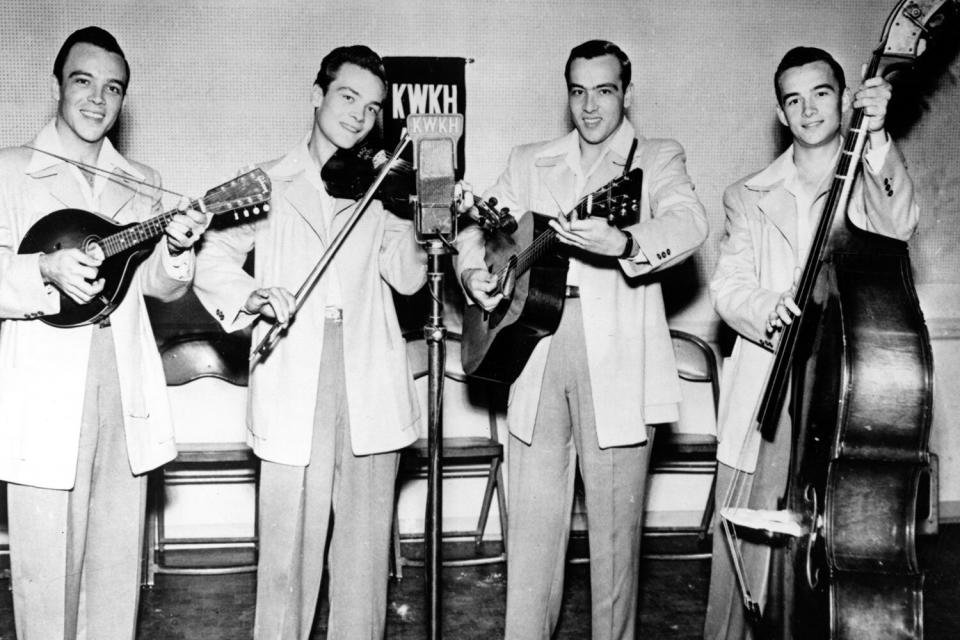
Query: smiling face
(597, 97)
(347, 111)
(90, 95)
(812, 104)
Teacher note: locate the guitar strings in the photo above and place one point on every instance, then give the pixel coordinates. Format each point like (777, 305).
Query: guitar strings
(540, 243)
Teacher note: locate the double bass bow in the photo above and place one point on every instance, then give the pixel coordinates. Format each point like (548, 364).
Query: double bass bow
(858, 365)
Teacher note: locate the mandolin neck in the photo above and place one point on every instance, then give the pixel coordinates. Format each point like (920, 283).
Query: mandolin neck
(137, 234)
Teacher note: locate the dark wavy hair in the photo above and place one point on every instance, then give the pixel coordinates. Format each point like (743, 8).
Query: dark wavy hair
(596, 48)
(90, 35)
(799, 56)
(357, 54)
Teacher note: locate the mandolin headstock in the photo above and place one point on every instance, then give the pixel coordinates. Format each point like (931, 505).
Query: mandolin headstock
(246, 196)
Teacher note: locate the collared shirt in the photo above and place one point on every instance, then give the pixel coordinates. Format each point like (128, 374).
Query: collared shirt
(810, 204)
(620, 143)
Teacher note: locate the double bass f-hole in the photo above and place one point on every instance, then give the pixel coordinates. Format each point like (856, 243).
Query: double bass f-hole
(810, 497)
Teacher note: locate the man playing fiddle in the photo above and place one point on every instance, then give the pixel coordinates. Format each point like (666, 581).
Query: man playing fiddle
(84, 409)
(334, 401)
(770, 219)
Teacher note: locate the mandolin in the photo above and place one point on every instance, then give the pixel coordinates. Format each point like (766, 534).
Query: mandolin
(126, 246)
(497, 345)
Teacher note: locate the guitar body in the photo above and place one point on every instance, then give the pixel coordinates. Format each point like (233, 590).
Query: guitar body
(78, 229)
(497, 345)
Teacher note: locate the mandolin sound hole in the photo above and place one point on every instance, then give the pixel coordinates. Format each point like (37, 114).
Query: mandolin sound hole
(91, 246)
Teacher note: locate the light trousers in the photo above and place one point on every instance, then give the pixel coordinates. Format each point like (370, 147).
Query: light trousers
(541, 496)
(338, 495)
(75, 555)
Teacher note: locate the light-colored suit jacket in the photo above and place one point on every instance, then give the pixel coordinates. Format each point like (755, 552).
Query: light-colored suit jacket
(630, 356)
(758, 261)
(379, 253)
(42, 368)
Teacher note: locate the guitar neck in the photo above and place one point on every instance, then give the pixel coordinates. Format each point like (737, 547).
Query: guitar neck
(598, 203)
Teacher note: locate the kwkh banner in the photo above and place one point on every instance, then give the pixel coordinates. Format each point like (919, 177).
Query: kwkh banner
(423, 85)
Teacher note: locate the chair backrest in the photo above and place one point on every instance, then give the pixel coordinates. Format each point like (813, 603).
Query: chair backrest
(219, 355)
(207, 377)
(697, 363)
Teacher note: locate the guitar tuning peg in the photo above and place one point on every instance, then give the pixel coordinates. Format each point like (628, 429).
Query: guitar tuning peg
(256, 211)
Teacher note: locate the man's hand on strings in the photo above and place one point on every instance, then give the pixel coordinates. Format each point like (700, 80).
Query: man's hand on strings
(184, 229)
(784, 312)
(590, 234)
(74, 272)
(482, 287)
(275, 303)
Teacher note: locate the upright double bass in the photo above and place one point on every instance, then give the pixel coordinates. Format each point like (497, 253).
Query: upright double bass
(858, 366)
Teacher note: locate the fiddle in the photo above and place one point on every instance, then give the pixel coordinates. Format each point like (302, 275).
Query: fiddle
(348, 173)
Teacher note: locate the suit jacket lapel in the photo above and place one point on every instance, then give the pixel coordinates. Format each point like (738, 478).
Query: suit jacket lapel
(780, 207)
(558, 183)
(116, 196)
(305, 200)
(60, 183)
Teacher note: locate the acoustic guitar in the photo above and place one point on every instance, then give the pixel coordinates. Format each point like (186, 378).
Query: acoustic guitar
(497, 344)
(126, 246)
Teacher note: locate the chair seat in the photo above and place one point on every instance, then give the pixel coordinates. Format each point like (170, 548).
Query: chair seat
(691, 448)
(458, 448)
(212, 453)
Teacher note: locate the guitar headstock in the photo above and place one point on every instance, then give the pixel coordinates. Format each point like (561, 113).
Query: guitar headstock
(617, 201)
(246, 196)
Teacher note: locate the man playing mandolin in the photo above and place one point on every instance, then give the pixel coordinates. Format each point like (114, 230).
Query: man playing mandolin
(332, 404)
(771, 218)
(84, 408)
(591, 389)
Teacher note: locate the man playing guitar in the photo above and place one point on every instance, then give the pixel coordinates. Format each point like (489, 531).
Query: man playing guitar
(592, 389)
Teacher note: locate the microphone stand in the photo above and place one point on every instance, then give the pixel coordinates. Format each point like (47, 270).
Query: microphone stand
(435, 334)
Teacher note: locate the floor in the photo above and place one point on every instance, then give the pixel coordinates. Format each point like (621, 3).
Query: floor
(672, 602)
